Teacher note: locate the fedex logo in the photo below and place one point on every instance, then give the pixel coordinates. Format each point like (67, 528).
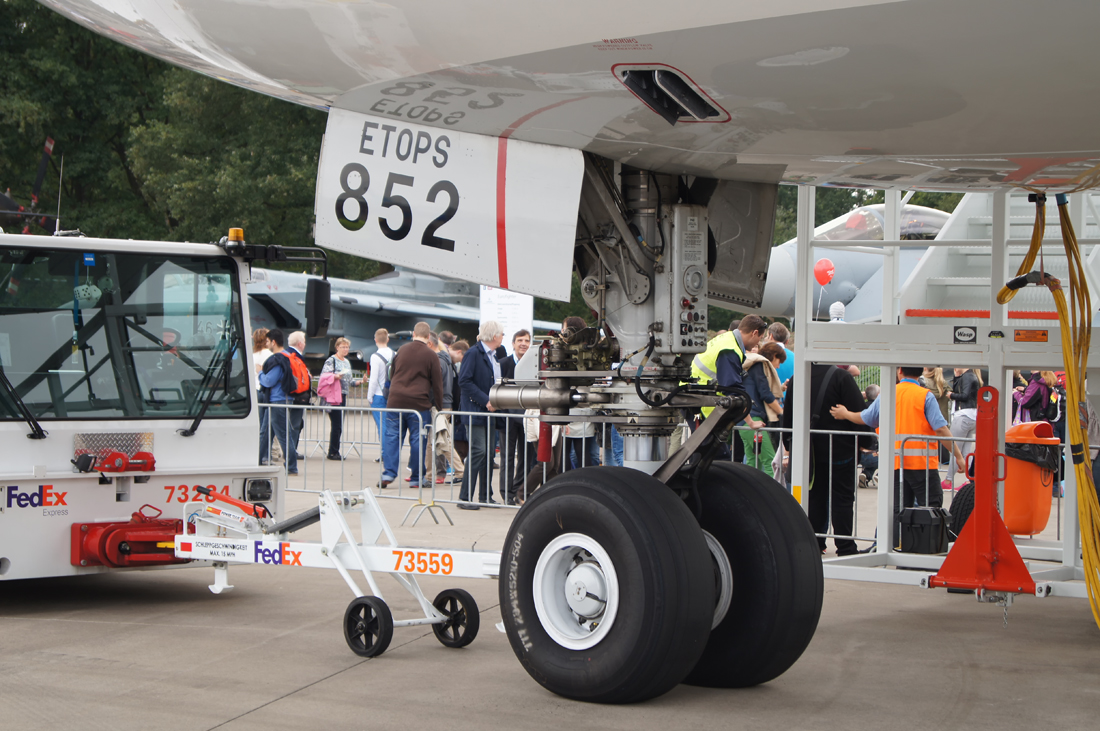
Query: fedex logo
(44, 497)
(282, 555)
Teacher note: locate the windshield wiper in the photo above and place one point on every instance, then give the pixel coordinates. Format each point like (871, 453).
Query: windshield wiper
(37, 432)
(223, 373)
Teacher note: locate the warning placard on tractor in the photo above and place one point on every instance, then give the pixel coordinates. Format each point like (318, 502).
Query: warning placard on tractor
(1030, 336)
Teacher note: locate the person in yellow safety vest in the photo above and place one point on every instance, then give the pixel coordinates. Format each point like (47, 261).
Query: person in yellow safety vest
(915, 412)
(722, 361)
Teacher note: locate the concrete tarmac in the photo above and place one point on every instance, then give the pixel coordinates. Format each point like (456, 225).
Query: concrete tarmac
(156, 650)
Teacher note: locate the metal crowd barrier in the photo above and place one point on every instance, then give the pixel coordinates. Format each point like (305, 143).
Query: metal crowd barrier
(825, 482)
(512, 473)
(822, 482)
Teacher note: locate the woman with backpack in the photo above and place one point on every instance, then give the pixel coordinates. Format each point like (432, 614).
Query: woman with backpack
(1032, 401)
(337, 393)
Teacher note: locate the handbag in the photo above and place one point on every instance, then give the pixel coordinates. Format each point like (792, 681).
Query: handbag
(329, 388)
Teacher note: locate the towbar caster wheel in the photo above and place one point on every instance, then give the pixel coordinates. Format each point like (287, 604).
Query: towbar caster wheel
(463, 620)
(368, 626)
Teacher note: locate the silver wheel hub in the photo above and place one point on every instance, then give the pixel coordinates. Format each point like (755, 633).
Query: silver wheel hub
(576, 591)
(586, 590)
(723, 579)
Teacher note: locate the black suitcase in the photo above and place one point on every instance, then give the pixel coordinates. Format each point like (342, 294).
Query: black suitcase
(922, 530)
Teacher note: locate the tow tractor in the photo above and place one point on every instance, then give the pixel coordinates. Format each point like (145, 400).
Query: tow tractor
(126, 390)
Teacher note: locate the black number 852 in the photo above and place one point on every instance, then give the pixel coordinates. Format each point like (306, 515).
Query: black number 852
(392, 200)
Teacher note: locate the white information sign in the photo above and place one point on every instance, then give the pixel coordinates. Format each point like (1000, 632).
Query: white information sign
(514, 311)
(490, 210)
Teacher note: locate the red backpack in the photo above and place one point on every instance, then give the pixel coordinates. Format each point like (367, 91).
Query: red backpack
(297, 382)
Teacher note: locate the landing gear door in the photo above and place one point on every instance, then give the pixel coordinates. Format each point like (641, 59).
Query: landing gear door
(742, 219)
(490, 210)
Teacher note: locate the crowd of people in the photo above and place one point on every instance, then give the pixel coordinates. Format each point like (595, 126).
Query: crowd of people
(435, 380)
(439, 385)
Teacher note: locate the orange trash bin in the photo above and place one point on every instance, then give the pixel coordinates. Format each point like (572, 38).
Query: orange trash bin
(1028, 487)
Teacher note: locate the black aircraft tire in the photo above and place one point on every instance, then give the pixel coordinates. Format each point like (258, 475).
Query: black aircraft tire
(962, 505)
(644, 551)
(777, 581)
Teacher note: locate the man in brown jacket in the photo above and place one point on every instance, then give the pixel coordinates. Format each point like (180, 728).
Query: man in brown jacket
(416, 385)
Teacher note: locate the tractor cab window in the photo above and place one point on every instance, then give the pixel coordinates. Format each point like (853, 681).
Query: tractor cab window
(110, 335)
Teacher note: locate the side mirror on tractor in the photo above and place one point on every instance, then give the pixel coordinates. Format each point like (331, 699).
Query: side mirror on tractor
(318, 307)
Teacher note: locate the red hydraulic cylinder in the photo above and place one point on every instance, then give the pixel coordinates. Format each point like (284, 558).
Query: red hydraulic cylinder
(984, 557)
(546, 442)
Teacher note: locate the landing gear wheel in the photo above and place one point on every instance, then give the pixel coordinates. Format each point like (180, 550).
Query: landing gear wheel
(606, 586)
(463, 620)
(768, 558)
(368, 626)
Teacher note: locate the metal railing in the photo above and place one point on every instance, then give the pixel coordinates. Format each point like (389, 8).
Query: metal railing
(831, 504)
(435, 475)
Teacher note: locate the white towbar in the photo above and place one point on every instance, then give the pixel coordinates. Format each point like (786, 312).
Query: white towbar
(231, 531)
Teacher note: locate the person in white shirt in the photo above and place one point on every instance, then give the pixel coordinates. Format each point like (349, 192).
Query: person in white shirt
(379, 363)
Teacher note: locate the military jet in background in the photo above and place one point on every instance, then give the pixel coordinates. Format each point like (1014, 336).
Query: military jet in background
(396, 301)
(856, 281)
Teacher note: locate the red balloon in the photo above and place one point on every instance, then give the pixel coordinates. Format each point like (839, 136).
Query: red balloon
(823, 271)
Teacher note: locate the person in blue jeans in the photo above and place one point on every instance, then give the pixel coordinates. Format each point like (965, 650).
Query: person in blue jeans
(616, 447)
(582, 447)
(261, 353)
(379, 362)
(396, 426)
(416, 385)
(274, 379)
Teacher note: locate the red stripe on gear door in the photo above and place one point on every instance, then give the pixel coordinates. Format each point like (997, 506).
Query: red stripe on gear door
(502, 178)
(502, 227)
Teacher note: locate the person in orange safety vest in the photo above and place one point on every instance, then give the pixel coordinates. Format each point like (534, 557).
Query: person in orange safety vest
(915, 412)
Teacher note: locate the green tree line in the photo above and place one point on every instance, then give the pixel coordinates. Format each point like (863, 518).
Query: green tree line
(151, 151)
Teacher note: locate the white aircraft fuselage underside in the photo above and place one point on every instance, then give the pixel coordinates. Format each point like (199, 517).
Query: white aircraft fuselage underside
(935, 94)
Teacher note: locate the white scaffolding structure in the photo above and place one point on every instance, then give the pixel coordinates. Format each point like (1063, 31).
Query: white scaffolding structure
(894, 342)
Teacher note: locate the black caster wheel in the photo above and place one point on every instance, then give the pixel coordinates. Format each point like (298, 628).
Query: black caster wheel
(368, 626)
(606, 587)
(463, 620)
